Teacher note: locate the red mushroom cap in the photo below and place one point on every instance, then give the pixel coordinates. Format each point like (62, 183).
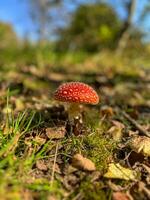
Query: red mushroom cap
(76, 92)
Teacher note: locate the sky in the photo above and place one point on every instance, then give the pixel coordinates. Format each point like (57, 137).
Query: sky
(16, 12)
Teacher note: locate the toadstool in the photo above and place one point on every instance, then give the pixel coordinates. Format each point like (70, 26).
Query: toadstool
(76, 93)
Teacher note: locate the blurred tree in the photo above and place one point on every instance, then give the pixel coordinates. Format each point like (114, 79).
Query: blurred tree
(8, 37)
(124, 33)
(41, 17)
(145, 16)
(146, 11)
(93, 26)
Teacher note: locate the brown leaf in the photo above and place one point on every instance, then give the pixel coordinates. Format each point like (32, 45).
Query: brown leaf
(107, 111)
(41, 165)
(83, 163)
(140, 144)
(132, 133)
(120, 196)
(116, 130)
(118, 124)
(52, 197)
(56, 132)
(39, 140)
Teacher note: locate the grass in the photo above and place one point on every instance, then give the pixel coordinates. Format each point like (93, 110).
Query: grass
(27, 109)
(19, 153)
(18, 157)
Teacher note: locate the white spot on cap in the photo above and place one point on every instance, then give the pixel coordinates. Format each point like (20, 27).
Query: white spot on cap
(65, 92)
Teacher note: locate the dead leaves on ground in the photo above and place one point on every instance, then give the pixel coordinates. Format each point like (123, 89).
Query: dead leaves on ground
(56, 132)
(120, 196)
(116, 130)
(83, 163)
(140, 144)
(106, 111)
(137, 148)
(40, 164)
(116, 171)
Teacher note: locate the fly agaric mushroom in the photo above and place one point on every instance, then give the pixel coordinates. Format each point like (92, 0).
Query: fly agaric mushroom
(76, 93)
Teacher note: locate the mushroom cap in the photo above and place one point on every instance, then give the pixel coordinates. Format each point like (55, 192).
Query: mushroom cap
(76, 92)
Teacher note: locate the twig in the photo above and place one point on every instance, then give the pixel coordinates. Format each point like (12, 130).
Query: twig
(146, 167)
(54, 165)
(144, 188)
(78, 196)
(135, 123)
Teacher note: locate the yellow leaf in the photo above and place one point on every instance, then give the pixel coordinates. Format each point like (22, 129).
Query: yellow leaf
(119, 172)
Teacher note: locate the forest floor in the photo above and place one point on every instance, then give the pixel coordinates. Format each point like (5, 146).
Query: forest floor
(103, 156)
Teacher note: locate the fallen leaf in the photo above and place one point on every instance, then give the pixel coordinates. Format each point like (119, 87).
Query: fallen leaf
(133, 133)
(70, 181)
(41, 165)
(116, 130)
(83, 163)
(118, 124)
(40, 140)
(140, 144)
(57, 168)
(120, 196)
(52, 198)
(7, 110)
(20, 105)
(56, 132)
(107, 111)
(119, 172)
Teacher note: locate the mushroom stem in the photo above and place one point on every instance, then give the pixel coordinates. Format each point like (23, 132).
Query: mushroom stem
(74, 110)
(75, 118)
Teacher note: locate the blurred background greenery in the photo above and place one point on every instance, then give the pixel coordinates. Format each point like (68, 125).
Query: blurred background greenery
(56, 33)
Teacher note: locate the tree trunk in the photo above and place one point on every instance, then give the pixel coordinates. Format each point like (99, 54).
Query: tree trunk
(125, 31)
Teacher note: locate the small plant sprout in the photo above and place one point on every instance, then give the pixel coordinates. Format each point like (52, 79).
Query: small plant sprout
(76, 93)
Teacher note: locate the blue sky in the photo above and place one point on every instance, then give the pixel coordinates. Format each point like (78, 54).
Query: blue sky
(16, 12)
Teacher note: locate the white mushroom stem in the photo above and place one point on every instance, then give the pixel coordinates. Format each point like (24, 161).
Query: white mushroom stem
(74, 110)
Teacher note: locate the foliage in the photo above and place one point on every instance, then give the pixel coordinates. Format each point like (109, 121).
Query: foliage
(7, 36)
(96, 23)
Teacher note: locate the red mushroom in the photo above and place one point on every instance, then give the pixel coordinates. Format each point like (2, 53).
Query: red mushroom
(76, 93)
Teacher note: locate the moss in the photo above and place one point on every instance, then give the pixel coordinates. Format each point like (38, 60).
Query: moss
(99, 149)
(90, 190)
